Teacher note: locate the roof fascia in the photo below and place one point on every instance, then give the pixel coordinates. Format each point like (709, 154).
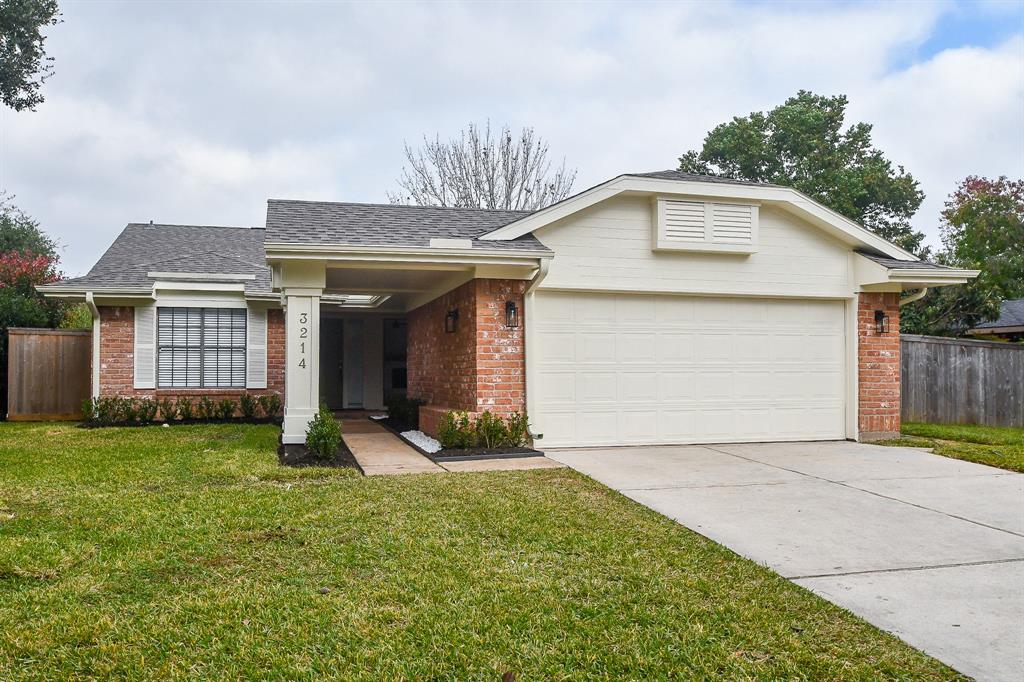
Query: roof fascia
(788, 198)
(341, 252)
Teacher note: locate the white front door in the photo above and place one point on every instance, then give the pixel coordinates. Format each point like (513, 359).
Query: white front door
(613, 369)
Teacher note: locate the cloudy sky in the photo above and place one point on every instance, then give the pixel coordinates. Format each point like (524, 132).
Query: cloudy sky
(183, 112)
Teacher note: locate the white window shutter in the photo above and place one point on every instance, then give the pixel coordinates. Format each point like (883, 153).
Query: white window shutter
(145, 346)
(256, 349)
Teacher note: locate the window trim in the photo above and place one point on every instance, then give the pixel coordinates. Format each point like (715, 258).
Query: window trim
(202, 347)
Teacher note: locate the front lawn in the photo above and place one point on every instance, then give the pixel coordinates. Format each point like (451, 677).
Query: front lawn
(997, 447)
(154, 553)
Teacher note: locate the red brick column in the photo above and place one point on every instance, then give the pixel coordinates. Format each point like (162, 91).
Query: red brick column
(481, 366)
(878, 371)
(117, 358)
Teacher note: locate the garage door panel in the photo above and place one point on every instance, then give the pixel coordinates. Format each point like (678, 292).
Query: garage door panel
(622, 369)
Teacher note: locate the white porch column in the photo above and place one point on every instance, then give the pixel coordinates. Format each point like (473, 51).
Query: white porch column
(302, 285)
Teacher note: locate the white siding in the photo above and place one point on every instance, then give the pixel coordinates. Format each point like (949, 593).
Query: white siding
(609, 247)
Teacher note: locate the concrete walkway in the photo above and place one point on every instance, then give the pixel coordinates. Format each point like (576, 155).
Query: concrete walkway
(382, 453)
(926, 547)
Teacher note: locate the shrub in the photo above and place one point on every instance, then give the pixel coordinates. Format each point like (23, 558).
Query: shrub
(491, 431)
(270, 403)
(145, 410)
(518, 430)
(108, 410)
(206, 408)
(456, 431)
(88, 409)
(186, 409)
(168, 411)
(225, 409)
(323, 437)
(129, 410)
(404, 410)
(247, 405)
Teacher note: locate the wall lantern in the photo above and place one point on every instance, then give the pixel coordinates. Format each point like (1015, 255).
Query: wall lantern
(451, 321)
(511, 315)
(881, 322)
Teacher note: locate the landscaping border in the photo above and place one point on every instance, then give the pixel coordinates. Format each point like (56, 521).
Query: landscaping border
(468, 456)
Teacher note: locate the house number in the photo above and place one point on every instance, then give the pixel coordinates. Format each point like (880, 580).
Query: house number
(303, 333)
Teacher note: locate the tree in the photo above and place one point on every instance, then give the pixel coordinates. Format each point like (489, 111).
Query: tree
(982, 229)
(802, 144)
(24, 65)
(478, 170)
(19, 232)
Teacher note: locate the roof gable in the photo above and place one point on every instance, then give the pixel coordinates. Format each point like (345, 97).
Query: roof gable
(688, 184)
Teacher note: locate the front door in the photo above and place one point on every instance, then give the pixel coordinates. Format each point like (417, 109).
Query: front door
(352, 372)
(331, 340)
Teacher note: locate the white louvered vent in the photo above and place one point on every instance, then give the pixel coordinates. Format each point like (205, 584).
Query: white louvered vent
(684, 221)
(256, 349)
(689, 225)
(732, 223)
(145, 347)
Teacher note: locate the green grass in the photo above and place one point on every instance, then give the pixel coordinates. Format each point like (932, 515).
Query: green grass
(156, 553)
(997, 447)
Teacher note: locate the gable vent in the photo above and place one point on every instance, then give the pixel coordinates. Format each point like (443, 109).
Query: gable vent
(732, 224)
(684, 221)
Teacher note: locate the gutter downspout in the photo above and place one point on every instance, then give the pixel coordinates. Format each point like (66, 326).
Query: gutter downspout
(95, 312)
(529, 341)
(916, 296)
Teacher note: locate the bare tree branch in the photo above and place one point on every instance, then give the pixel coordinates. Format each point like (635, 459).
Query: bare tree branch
(482, 170)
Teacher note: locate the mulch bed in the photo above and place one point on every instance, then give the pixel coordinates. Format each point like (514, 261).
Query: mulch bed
(184, 422)
(298, 455)
(456, 455)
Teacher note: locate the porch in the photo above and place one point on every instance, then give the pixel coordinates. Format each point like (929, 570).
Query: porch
(449, 331)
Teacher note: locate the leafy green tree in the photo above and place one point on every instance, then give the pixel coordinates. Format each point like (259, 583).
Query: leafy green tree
(982, 229)
(24, 65)
(803, 144)
(20, 233)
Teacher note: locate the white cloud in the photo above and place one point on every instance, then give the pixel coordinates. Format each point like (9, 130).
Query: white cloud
(200, 116)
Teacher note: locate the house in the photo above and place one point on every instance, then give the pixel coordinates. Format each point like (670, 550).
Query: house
(653, 308)
(1008, 327)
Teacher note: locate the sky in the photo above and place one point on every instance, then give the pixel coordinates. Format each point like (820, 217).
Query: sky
(198, 112)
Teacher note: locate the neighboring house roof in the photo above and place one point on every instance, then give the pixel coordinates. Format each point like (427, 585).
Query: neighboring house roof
(350, 224)
(1011, 315)
(894, 264)
(142, 249)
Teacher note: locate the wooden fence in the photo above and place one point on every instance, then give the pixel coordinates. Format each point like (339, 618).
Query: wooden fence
(959, 381)
(48, 373)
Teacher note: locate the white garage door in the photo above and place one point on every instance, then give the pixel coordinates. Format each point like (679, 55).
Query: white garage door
(627, 369)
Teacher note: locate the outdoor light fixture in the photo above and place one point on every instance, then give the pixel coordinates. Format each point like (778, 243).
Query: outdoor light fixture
(511, 314)
(881, 322)
(451, 321)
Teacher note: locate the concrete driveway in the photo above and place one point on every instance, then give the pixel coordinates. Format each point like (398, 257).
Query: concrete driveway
(926, 547)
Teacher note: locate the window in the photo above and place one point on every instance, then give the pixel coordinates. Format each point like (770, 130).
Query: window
(201, 347)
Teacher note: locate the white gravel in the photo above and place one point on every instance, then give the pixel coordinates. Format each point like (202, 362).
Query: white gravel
(422, 441)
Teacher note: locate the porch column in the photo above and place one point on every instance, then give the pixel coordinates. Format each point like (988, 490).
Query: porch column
(302, 283)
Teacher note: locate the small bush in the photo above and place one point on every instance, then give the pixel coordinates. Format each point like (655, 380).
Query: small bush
(167, 408)
(186, 408)
(129, 410)
(206, 408)
(88, 409)
(108, 410)
(323, 437)
(491, 431)
(226, 408)
(247, 405)
(145, 410)
(456, 431)
(404, 410)
(270, 403)
(518, 430)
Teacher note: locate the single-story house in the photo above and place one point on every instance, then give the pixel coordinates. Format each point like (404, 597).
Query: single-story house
(1009, 326)
(653, 308)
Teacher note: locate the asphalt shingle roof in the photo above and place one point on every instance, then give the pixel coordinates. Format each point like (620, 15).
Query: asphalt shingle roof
(696, 177)
(896, 264)
(144, 248)
(1011, 314)
(325, 222)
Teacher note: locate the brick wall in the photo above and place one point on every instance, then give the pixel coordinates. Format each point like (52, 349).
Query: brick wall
(878, 371)
(479, 367)
(117, 358)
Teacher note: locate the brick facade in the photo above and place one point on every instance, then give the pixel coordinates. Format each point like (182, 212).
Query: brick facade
(117, 358)
(878, 367)
(481, 366)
